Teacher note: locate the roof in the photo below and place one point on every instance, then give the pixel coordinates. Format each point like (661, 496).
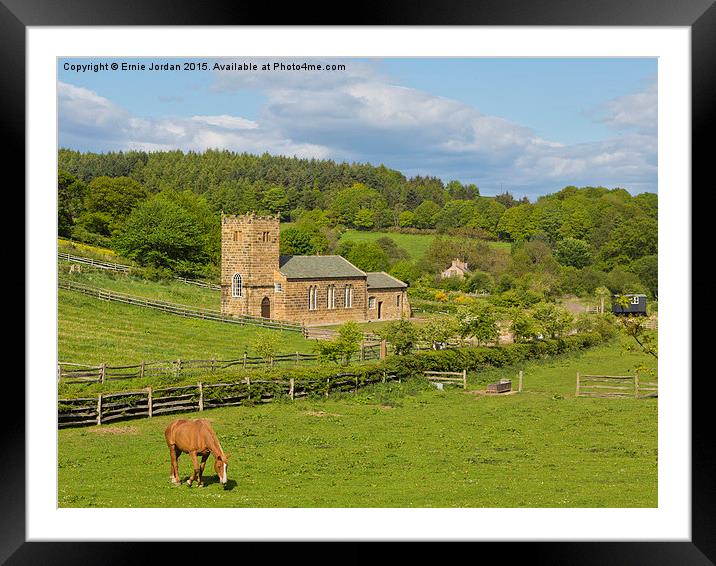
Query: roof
(317, 267)
(381, 280)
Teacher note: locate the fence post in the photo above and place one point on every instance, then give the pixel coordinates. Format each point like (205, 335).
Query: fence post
(355, 389)
(577, 394)
(102, 372)
(59, 373)
(520, 386)
(362, 352)
(213, 364)
(201, 397)
(636, 385)
(328, 385)
(290, 391)
(248, 384)
(384, 376)
(464, 379)
(296, 364)
(149, 400)
(244, 360)
(178, 367)
(99, 409)
(383, 349)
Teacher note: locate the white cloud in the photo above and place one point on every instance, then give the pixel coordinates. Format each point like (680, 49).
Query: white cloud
(85, 115)
(360, 115)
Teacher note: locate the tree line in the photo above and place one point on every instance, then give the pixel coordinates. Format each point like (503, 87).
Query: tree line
(162, 209)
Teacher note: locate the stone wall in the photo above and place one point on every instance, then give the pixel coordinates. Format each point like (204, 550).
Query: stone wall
(395, 304)
(295, 301)
(249, 246)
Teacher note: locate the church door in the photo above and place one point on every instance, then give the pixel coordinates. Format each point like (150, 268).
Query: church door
(266, 308)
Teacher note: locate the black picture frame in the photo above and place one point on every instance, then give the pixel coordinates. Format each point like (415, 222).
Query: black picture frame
(699, 15)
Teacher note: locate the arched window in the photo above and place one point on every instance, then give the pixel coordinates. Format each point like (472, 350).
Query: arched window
(312, 296)
(349, 296)
(236, 285)
(331, 297)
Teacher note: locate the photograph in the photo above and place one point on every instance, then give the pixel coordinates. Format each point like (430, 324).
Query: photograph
(357, 282)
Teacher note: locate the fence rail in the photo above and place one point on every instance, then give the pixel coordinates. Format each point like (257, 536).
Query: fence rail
(615, 386)
(124, 268)
(457, 377)
(173, 308)
(71, 372)
(150, 402)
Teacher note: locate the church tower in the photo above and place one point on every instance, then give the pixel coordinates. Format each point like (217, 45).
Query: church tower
(249, 258)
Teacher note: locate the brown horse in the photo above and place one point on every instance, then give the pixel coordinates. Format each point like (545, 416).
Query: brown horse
(196, 438)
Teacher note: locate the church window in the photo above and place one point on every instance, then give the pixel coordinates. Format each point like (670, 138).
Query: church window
(236, 285)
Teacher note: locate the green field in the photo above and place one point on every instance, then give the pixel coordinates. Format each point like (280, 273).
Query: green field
(173, 291)
(92, 331)
(415, 244)
(395, 445)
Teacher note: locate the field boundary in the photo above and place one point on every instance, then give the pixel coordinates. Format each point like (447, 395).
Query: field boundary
(124, 268)
(149, 402)
(609, 386)
(178, 309)
(88, 373)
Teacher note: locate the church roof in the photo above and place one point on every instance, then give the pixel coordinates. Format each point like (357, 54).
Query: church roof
(381, 280)
(317, 267)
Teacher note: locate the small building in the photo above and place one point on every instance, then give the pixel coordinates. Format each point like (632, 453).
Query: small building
(312, 290)
(636, 305)
(458, 269)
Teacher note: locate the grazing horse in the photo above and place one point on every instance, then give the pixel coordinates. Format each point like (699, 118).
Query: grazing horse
(196, 438)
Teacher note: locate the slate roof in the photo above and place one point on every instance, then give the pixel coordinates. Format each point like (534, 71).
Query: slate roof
(381, 280)
(317, 267)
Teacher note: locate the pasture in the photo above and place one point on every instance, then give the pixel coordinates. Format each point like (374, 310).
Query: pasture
(93, 331)
(415, 244)
(395, 445)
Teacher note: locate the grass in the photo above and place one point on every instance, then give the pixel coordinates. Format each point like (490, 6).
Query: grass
(415, 244)
(395, 445)
(89, 251)
(172, 291)
(93, 331)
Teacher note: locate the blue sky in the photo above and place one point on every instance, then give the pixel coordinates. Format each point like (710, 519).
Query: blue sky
(530, 126)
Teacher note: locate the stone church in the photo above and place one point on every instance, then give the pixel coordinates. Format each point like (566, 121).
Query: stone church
(313, 290)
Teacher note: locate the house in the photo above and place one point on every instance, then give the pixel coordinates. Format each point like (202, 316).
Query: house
(313, 290)
(457, 269)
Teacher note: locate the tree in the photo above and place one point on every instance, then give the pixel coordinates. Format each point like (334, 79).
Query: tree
(264, 346)
(438, 332)
(406, 219)
(70, 195)
(346, 344)
(480, 322)
(424, 214)
(635, 328)
(574, 253)
(368, 256)
(524, 326)
(364, 219)
(294, 241)
(553, 320)
(111, 200)
(160, 233)
(401, 334)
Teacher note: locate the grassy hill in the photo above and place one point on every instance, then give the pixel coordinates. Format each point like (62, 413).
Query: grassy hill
(415, 244)
(396, 445)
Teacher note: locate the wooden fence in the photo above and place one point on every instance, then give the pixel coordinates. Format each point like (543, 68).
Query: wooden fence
(94, 262)
(181, 310)
(70, 372)
(440, 377)
(615, 386)
(124, 268)
(149, 402)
